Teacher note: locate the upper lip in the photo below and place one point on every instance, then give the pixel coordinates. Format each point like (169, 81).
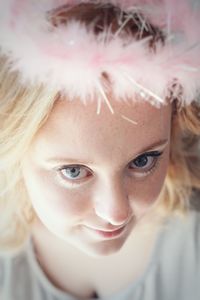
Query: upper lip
(107, 230)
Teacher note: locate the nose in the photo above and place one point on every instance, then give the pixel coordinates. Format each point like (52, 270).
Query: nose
(112, 203)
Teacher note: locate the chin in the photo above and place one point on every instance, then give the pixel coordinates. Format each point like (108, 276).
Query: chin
(101, 248)
(98, 246)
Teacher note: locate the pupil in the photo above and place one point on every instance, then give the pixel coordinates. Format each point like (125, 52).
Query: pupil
(73, 172)
(141, 161)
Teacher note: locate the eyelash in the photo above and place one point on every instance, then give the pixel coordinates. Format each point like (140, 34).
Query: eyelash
(144, 171)
(74, 181)
(137, 171)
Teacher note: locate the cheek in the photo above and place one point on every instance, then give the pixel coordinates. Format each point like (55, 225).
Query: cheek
(50, 198)
(145, 192)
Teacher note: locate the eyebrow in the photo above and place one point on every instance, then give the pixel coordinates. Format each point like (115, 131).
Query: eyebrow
(61, 160)
(157, 144)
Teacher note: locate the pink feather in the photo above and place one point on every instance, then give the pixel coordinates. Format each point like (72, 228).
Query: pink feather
(72, 60)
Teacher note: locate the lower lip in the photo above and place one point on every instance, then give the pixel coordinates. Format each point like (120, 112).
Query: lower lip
(107, 234)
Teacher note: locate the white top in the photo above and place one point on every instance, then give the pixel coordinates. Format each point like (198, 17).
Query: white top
(172, 274)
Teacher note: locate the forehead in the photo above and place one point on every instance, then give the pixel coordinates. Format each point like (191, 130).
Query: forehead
(74, 128)
(125, 115)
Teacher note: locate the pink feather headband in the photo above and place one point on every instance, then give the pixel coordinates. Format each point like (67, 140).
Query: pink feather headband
(72, 59)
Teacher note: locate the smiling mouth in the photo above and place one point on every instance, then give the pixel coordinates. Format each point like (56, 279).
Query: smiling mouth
(106, 234)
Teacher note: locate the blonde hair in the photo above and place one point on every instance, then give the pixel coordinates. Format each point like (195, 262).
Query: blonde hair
(23, 110)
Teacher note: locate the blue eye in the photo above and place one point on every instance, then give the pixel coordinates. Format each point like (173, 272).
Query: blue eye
(74, 172)
(145, 162)
(141, 161)
(71, 172)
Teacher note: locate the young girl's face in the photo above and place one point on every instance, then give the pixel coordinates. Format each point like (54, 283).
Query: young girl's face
(91, 177)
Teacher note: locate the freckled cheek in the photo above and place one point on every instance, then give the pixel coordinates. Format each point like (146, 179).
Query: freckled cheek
(47, 195)
(67, 203)
(145, 192)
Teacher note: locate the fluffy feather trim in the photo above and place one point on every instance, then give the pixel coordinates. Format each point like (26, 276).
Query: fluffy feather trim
(72, 60)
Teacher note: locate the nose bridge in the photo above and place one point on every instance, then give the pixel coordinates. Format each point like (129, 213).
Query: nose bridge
(111, 201)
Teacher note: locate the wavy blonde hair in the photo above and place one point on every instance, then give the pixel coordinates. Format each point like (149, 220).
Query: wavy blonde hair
(23, 110)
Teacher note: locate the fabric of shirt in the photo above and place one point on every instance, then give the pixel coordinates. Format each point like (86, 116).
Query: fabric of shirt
(173, 272)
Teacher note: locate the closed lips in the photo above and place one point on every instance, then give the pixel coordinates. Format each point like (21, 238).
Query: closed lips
(107, 233)
(105, 230)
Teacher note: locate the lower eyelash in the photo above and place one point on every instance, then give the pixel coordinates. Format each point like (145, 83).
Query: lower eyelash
(65, 183)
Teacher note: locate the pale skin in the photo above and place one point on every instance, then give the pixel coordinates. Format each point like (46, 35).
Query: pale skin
(92, 180)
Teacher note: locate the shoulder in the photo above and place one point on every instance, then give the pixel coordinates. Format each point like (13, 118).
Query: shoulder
(15, 260)
(179, 249)
(15, 271)
(22, 278)
(183, 233)
(186, 227)
(175, 272)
